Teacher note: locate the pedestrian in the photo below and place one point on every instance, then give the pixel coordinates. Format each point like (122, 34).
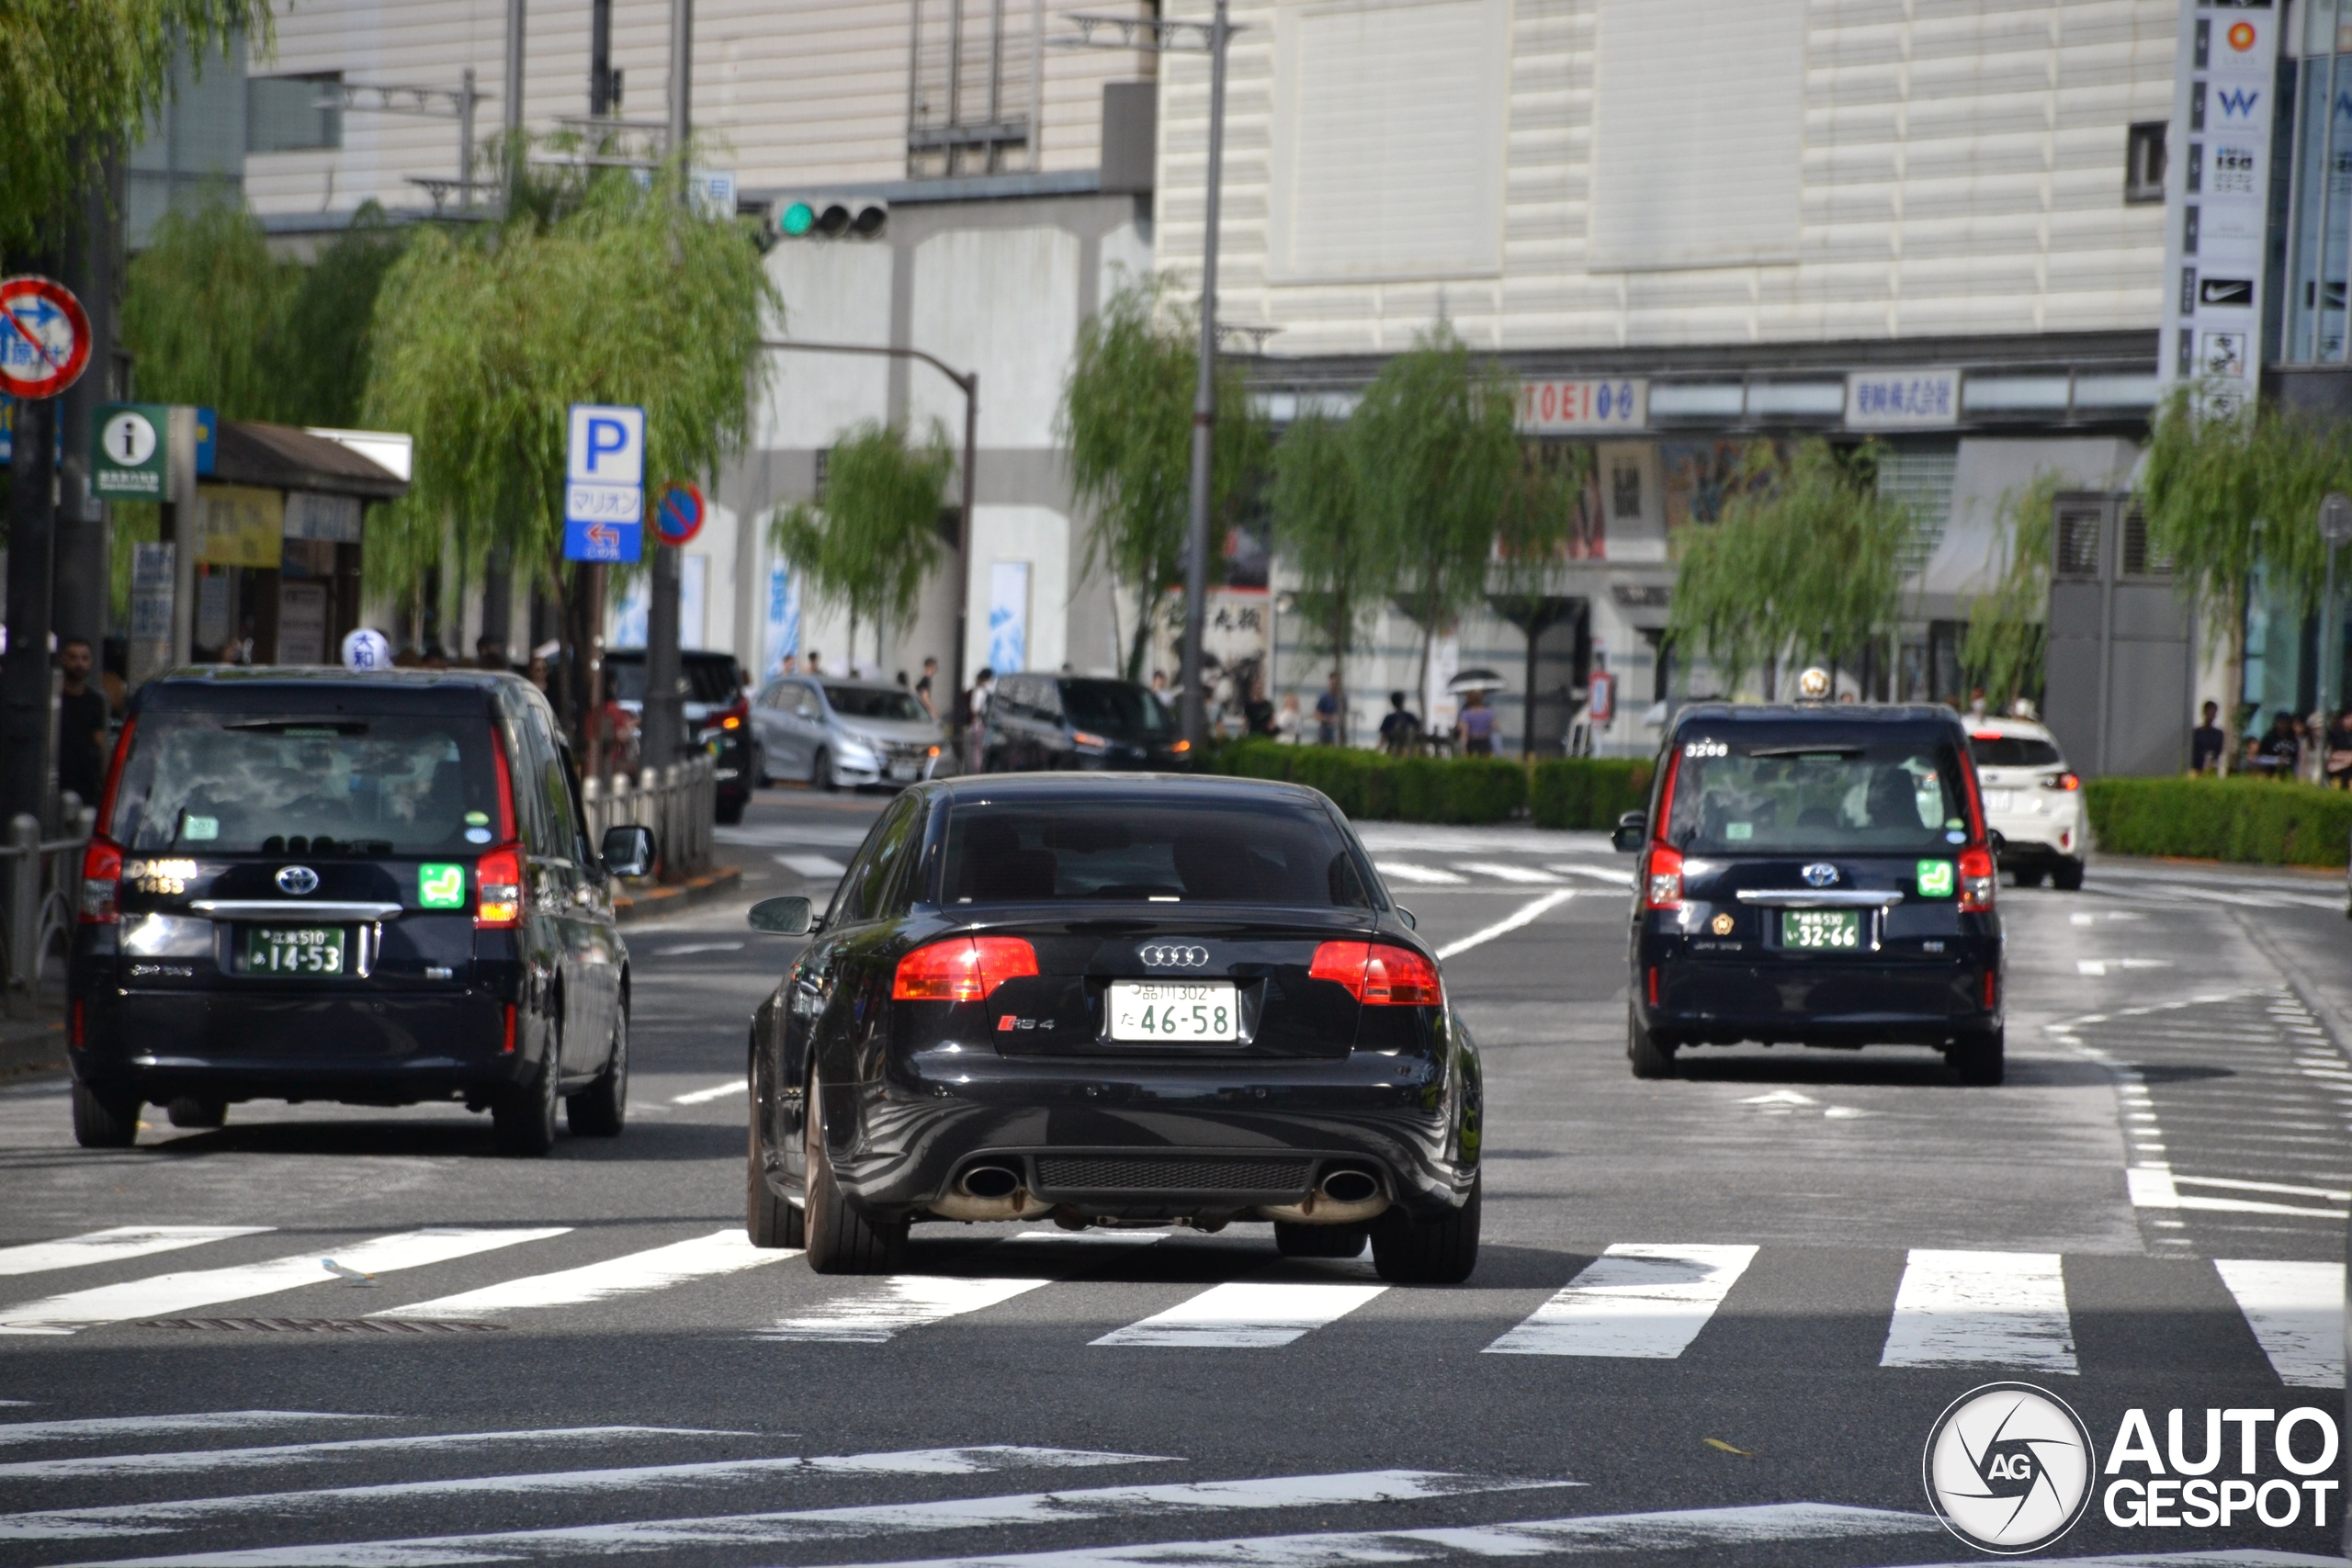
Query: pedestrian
(902, 679)
(81, 724)
(1400, 728)
(1159, 682)
(923, 687)
(1286, 720)
(816, 662)
(1476, 726)
(538, 671)
(976, 717)
(1976, 704)
(2282, 749)
(1326, 714)
(2205, 743)
(490, 653)
(2339, 751)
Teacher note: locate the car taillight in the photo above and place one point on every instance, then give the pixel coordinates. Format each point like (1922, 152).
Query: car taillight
(733, 719)
(1086, 738)
(76, 1027)
(1181, 746)
(101, 874)
(962, 969)
(1992, 991)
(498, 887)
(1976, 879)
(2062, 781)
(507, 1047)
(505, 785)
(1662, 883)
(1379, 974)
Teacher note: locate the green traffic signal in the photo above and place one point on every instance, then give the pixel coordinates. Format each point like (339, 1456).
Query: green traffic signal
(798, 218)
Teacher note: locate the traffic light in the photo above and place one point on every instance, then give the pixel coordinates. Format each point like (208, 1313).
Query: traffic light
(831, 218)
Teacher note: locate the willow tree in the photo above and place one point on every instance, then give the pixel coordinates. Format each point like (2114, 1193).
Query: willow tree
(2007, 641)
(1126, 424)
(1345, 568)
(1805, 561)
(874, 538)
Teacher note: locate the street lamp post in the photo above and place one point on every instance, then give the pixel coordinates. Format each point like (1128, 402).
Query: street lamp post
(2336, 530)
(664, 704)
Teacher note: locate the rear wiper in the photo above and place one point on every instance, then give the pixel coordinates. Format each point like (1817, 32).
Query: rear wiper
(321, 727)
(1843, 753)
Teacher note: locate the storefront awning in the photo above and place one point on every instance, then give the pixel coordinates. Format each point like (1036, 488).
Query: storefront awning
(279, 457)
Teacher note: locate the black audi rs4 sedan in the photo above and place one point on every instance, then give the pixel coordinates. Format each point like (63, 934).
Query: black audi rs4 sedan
(1114, 1000)
(1814, 876)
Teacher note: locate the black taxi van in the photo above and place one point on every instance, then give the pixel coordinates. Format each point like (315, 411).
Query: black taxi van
(374, 888)
(1814, 876)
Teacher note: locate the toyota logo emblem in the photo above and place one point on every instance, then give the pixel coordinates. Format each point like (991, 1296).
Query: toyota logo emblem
(1821, 873)
(1163, 957)
(297, 880)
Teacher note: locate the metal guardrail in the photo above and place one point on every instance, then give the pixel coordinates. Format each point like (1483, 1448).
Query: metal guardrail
(42, 880)
(680, 803)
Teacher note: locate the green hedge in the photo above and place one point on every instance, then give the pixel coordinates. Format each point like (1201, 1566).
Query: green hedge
(2255, 820)
(1374, 787)
(1589, 791)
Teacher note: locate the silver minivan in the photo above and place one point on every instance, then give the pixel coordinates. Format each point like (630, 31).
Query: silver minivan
(839, 734)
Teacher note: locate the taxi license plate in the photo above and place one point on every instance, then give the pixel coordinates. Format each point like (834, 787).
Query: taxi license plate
(1185, 1010)
(1822, 930)
(308, 951)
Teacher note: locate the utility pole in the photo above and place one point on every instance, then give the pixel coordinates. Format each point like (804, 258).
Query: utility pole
(664, 711)
(497, 574)
(83, 549)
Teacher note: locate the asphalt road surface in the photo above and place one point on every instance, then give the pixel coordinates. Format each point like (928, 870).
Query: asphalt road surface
(1714, 1321)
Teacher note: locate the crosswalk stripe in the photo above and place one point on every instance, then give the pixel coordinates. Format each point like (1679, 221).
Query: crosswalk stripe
(113, 1246)
(1637, 1299)
(162, 1294)
(1247, 1313)
(1615, 875)
(718, 1091)
(874, 1522)
(277, 1454)
(156, 1517)
(1503, 872)
(900, 1302)
(1426, 875)
(726, 1251)
(98, 1427)
(2296, 1311)
(1967, 1309)
(1755, 1525)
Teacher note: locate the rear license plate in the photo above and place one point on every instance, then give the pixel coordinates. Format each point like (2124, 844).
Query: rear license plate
(1822, 930)
(293, 950)
(1182, 1010)
(2000, 800)
(903, 769)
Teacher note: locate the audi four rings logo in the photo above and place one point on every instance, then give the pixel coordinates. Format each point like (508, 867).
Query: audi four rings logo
(1167, 957)
(297, 880)
(1820, 873)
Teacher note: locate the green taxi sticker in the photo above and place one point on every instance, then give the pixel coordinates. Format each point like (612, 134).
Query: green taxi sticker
(441, 886)
(477, 818)
(1935, 879)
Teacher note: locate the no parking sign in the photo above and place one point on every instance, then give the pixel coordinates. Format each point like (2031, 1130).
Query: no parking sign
(680, 516)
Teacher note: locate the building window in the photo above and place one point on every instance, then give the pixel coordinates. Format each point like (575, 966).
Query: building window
(287, 114)
(824, 474)
(975, 87)
(1625, 490)
(1920, 480)
(2143, 162)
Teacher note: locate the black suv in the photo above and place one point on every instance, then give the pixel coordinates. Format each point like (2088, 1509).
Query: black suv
(717, 716)
(1814, 876)
(376, 889)
(1073, 721)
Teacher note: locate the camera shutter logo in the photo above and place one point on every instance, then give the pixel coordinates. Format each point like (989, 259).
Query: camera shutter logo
(297, 880)
(2009, 1468)
(1169, 956)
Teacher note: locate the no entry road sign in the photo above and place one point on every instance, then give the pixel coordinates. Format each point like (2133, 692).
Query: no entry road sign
(44, 337)
(680, 516)
(604, 492)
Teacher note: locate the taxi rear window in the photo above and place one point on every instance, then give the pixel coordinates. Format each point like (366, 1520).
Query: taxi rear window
(2013, 751)
(1765, 796)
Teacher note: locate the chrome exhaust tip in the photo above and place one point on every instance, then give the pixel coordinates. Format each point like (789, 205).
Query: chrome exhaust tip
(1348, 1186)
(990, 1181)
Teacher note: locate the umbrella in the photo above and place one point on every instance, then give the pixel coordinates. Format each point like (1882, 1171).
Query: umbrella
(1474, 680)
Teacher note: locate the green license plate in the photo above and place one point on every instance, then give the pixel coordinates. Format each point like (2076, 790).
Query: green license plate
(1822, 930)
(293, 950)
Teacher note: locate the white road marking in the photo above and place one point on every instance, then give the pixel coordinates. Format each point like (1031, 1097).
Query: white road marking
(155, 1518)
(2153, 1186)
(1402, 871)
(2104, 966)
(186, 1460)
(726, 1251)
(1527, 914)
(1635, 1300)
(1966, 1309)
(716, 1091)
(2337, 1194)
(97, 1427)
(1171, 1502)
(160, 1296)
(1249, 1314)
(1503, 872)
(1615, 875)
(816, 868)
(897, 1303)
(113, 1246)
(2296, 1311)
(846, 837)
(683, 949)
(1675, 1531)
(1780, 1097)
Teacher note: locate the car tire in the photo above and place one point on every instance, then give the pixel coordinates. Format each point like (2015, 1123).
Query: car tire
(821, 774)
(103, 1121)
(1650, 1056)
(729, 810)
(522, 1122)
(769, 1218)
(598, 1110)
(1978, 1058)
(1321, 1241)
(842, 1238)
(1439, 1252)
(189, 1111)
(2028, 876)
(2067, 876)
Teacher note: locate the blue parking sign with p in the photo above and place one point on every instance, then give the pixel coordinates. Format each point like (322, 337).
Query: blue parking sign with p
(604, 492)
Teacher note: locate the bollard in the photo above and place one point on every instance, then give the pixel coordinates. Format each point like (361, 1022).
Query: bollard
(23, 912)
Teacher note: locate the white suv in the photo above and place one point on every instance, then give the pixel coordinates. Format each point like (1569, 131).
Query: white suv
(2032, 799)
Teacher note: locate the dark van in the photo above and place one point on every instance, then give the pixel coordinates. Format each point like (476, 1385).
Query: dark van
(371, 888)
(1814, 876)
(1081, 722)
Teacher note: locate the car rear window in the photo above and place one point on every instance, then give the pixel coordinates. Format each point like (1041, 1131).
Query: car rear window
(2013, 751)
(1138, 851)
(1763, 796)
(1116, 706)
(384, 785)
(710, 678)
(875, 702)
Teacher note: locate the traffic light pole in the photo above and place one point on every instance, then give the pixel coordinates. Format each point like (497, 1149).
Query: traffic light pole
(664, 711)
(1197, 534)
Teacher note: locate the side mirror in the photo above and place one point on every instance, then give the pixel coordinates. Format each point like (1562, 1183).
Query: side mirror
(787, 916)
(1994, 842)
(1632, 828)
(1406, 916)
(628, 851)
